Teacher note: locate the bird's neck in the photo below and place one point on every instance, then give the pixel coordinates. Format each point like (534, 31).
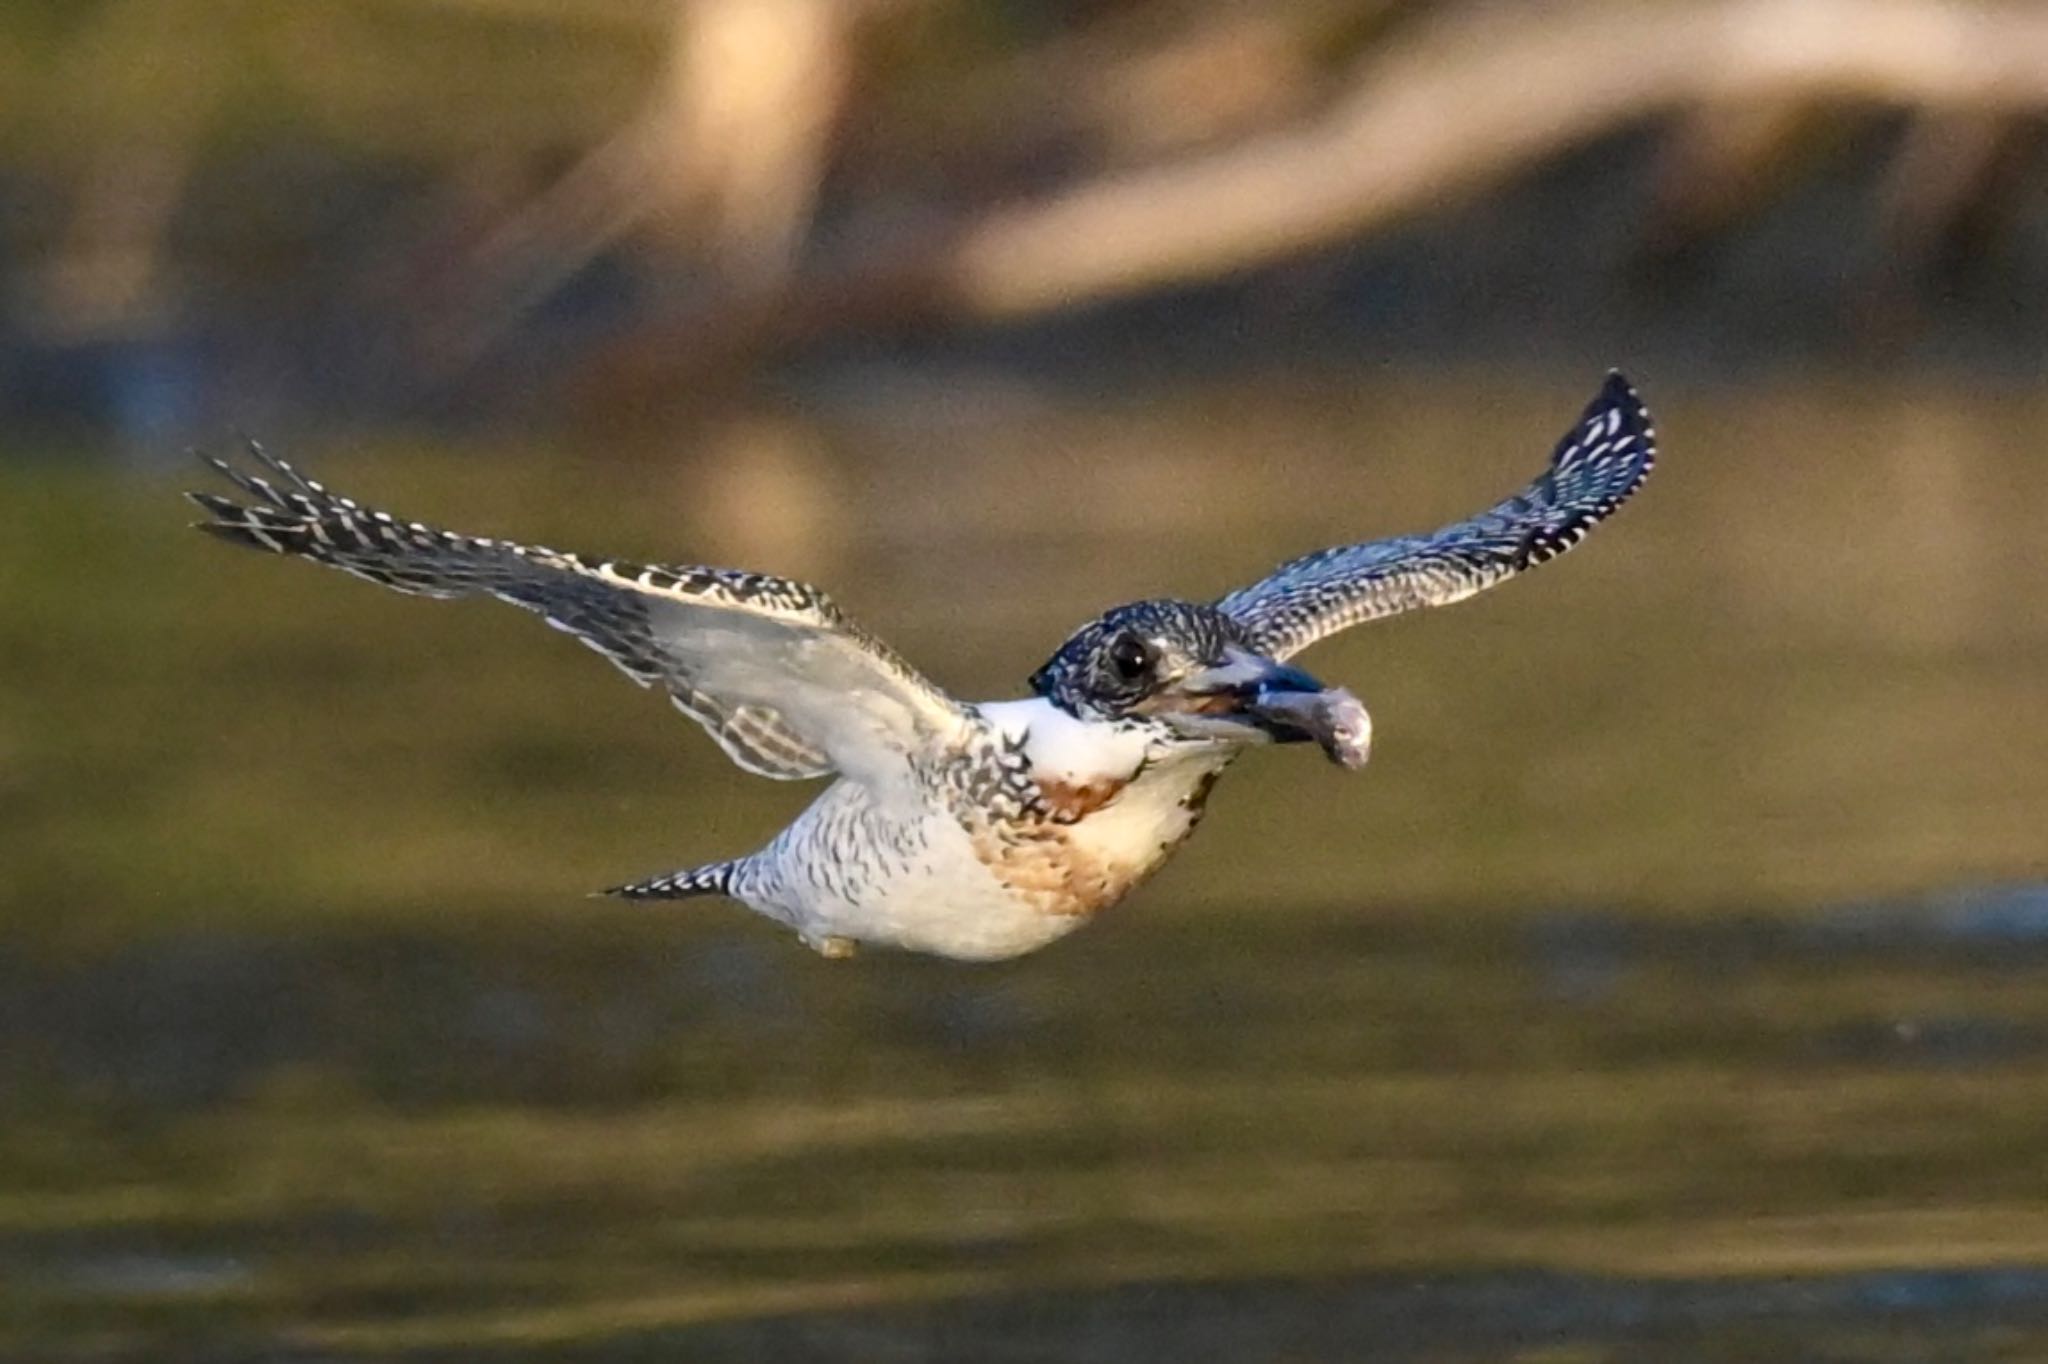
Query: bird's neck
(1065, 749)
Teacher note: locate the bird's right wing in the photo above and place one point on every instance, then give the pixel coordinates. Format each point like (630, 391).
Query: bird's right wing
(1601, 461)
(786, 683)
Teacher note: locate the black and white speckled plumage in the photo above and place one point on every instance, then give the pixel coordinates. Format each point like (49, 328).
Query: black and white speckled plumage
(713, 878)
(968, 830)
(608, 604)
(1597, 465)
(1080, 677)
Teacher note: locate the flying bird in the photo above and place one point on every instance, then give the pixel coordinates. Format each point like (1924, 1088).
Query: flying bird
(972, 830)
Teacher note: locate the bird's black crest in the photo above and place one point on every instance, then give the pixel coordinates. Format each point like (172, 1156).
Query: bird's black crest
(1124, 655)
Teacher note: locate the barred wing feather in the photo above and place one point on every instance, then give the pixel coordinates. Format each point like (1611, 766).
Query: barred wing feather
(786, 683)
(1598, 464)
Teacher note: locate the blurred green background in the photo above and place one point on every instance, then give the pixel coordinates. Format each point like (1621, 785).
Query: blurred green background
(1668, 987)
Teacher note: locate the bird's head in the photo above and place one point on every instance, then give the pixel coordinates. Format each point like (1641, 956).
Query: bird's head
(1188, 669)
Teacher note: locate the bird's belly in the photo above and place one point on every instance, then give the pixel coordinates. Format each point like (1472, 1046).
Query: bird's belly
(920, 883)
(954, 904)
(1050, 877)
(890, 874)
(928, 881)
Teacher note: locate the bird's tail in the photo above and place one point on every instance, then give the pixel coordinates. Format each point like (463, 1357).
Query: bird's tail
(713, 878)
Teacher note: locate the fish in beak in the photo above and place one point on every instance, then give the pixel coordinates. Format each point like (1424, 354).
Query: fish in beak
(1249, 690)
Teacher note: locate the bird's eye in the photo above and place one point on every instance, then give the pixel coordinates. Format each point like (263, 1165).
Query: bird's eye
(1131, 657)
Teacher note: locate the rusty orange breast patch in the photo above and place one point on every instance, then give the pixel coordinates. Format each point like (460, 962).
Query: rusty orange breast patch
(1070, 802)
(1041, 856)
(1045, 866)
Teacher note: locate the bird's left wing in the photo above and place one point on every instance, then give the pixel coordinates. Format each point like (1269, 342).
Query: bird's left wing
(1600, 461)
(786, 683)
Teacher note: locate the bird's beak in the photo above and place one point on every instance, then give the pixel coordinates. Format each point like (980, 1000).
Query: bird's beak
(1250, 691)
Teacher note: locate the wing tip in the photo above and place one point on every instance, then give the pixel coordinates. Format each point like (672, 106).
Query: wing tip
(1620, 406)
(1618, 392)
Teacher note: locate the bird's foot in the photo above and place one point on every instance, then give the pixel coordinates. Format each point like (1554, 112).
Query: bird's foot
(832, 947)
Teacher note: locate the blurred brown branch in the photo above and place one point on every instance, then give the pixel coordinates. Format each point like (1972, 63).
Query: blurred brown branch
(1435, 113)
(980, 168)
(727, 156)
(1476, 96)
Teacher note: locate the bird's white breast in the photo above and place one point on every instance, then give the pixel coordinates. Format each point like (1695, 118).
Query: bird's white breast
(1109, 803)
(1154, 781)
(1062, 746)
(1121, 800)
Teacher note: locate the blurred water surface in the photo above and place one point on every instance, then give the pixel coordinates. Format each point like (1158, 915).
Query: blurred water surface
(1670, 986)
